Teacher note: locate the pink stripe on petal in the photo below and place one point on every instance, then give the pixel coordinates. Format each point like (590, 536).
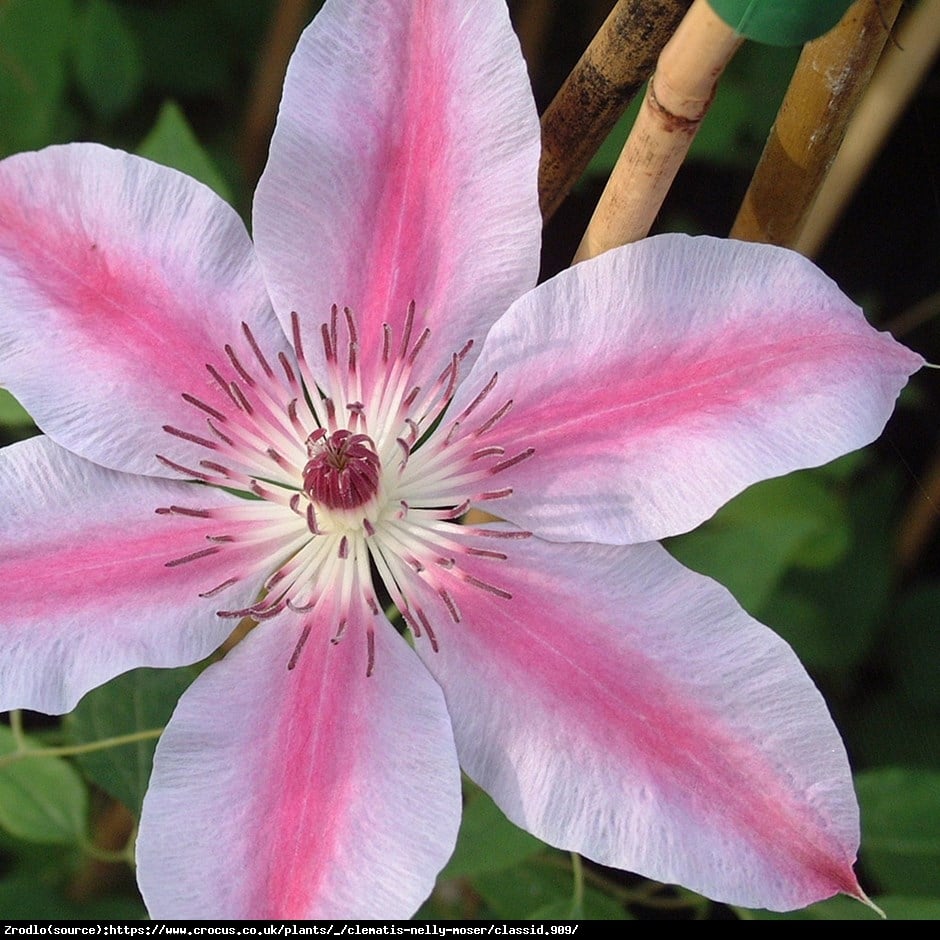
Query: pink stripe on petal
(311, 792)
(403, 168)
(85, 589)
(659, 380)
(623, 707)
(119, 280)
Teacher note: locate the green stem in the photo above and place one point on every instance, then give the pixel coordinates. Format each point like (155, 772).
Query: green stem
(16, 726)
(70, 750)
(577, 900)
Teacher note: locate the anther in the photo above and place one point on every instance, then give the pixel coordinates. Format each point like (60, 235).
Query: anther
(505, 464)
(239, 368)
(370, 647)
(295, 331)
(268, 371)
(422, 339)
(476, 401)
(483, 585)
(219, 588)
(340, 630)
(184, 511)
(199, 403)
(450, 604)
(186, 471)
(432, 639)
(193, 556)
(406, 334)
(300, 645)
(496, 416)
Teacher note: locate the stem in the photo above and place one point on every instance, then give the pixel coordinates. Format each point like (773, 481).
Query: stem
(16, 727)
(577, 900)
(677, 99)
(612, 70)
(899, 73)
(829, 79)
(70, 750)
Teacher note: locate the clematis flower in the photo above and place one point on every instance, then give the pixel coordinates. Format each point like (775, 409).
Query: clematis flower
(292, 431)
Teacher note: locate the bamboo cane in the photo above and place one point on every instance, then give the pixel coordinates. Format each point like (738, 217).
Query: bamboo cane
(830, 77)
(677, 98)
(899, 73)
(612, 70)
(288, 22)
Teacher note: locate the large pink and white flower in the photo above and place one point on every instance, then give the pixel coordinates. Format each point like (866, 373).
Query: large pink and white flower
(293, 429)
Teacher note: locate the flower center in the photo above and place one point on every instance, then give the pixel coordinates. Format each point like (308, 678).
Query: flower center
(343, 469)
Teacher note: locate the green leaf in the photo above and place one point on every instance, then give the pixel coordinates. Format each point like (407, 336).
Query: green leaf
(28, 897)
(107, 61)
(136, 701)
(901, 829)
(24, 897)
(751, 543)
(781, 22)
(172, 142)
(488, 841)
(913, 645)
(34, 38)
(849, 598)
(12, 413)
(42, 799)
(886, 729)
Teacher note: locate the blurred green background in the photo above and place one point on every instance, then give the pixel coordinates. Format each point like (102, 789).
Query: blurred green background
(841, 561)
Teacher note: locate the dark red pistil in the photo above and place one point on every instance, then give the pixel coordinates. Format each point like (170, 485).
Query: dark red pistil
(343, 469)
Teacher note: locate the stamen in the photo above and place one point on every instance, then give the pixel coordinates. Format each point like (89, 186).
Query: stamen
(295, 330)
(476, 582)
(193, 556)
(222, 437)
(219, 588)
(450, 605)
(370, 644)
(476, 401)
(422, 339)
(500, 533)
(340, 631)
(239, 368)
(496, 494)
(491, 421)
(327, 346)
(386, 341)
(193, 438)
(488, 452)
(432, 639)
(192, 400)
(240, 399)
(456, 512)
(222, 383)
(486, 553)
(505, 464)
(288, 369)
(406, 334)
(300, 645)
(184, 511)
(179, 468)
(268, 371)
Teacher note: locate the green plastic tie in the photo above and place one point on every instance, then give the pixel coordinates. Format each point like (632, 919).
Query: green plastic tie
(781, 22)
